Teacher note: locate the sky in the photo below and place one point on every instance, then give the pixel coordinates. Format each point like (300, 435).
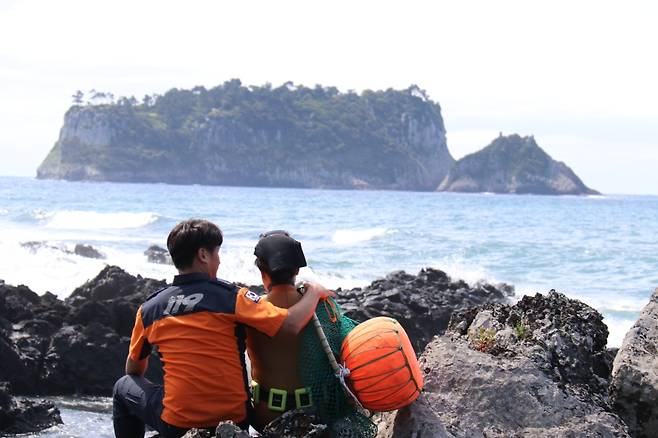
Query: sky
(581, 76)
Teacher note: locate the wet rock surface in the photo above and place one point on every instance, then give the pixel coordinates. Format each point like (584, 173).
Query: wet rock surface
(634, 387)
(24, 416)
(422, 303)
(78, 345)
(87, 251)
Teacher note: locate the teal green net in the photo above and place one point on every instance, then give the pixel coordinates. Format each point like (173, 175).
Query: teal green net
(332, 405)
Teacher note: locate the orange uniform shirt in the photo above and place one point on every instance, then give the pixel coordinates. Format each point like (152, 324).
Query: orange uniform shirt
(198, 326)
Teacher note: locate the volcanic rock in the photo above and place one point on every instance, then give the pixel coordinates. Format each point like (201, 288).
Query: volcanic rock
(471, 393)
(76, 346)
(292, 424)
(422, 303)
(634, 387)
(25, 416)
(156, 254)
(80, 249)
(565, 338)
(87, 251)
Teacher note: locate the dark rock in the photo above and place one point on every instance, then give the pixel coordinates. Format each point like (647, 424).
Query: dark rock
(15, 368)
(5, 396)
(566, 338)
(422, 303)
(634, 387)
(88, 312)
(34, 245)
(513, 164)
(49, 346)
(469, 393)
(80, 249)
(83, 360)
(225, 429)
(156, 254)
(114, 282)
(296, 423)
(17, 302)
(111, 298)
(28, 324)
(25, 416)
(87, 251)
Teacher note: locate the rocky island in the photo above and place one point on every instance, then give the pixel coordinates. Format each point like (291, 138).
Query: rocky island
(289, 136)
(513, 164)
(537, 368)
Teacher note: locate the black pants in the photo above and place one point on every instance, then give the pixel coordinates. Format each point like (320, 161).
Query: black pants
(137, 402)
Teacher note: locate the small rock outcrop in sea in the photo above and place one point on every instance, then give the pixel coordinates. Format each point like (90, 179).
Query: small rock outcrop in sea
(80, 249)
(289, 136)
(422, 303)
(25, 416)
(523, 370)
(513, 164)
(78, 345)
(156, 254)
(634, 387)
(87, 251)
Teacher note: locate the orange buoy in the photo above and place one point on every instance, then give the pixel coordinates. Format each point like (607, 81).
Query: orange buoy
(384, 372)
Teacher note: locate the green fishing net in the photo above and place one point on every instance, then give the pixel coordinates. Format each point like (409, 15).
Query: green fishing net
(333, 406)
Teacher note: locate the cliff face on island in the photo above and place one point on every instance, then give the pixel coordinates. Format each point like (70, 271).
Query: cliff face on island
(257, 136)
(513, 164)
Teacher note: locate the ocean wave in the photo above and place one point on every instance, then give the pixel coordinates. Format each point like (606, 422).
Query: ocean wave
(459, 268)
(352, 236)
(617, 328)
(91, 220)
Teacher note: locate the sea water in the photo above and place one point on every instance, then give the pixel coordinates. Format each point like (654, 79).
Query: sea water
(599, 249)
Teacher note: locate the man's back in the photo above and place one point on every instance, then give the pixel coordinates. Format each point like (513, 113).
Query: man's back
(274, 361)
(195, 323)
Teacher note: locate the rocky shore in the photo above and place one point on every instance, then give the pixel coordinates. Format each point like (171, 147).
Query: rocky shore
(539, 367)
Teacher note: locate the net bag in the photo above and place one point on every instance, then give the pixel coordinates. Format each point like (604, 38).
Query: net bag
(383, 370)
(330, 401)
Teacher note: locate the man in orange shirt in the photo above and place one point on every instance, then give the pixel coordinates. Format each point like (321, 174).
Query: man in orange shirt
(198, 325)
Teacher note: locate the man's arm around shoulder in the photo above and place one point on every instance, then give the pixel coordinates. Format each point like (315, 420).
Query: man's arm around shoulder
(301, 313)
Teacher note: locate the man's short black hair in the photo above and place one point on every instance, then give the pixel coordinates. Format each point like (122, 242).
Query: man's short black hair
(186, 238)
(280, 276)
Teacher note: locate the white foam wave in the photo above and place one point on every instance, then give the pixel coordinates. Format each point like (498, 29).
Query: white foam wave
(458, 269)
(617, 329)
(352, 236)
(41, 214)
(91, 220)
(52, 268)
